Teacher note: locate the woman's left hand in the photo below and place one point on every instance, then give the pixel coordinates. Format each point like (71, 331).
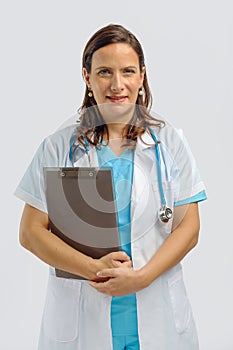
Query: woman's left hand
(122, 280)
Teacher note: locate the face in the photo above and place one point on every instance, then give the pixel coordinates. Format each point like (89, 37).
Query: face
(115, 78)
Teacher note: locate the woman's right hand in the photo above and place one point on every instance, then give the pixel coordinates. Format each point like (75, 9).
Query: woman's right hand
(112, 260)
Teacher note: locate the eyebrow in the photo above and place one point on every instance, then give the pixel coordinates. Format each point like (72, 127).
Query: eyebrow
(106, 67)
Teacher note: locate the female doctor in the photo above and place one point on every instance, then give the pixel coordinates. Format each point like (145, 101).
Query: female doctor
(135, 298)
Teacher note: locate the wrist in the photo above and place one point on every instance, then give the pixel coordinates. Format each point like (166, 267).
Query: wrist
(92, 268)
(144, 278)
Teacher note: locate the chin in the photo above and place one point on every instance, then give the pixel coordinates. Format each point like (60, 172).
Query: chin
(117, 112)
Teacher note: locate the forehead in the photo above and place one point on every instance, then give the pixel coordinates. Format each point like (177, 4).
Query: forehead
(115, 54)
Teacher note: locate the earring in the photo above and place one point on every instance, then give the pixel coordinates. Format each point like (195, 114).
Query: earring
(140, 92)
(90, 94)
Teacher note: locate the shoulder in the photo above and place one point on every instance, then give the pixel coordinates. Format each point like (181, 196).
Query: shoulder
(168, 135)
(54, 149)
(61, 135)
(60, 140)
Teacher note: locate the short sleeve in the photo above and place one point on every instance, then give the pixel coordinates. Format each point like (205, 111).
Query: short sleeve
(181, 168)
(52, 152)
(31, 188)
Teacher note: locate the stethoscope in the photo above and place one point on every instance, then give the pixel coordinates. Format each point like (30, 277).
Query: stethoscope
(165, 213)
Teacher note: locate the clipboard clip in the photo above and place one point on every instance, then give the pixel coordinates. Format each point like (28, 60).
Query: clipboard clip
(78, 172)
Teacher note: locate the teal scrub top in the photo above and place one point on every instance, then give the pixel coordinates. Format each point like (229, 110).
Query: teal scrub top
(124, 308)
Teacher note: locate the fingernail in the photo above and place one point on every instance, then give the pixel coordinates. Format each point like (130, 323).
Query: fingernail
(99, 273)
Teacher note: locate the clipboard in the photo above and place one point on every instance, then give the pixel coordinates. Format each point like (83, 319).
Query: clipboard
(82, 210)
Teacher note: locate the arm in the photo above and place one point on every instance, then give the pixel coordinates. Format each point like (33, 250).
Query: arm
(36, 237)
(177, 245)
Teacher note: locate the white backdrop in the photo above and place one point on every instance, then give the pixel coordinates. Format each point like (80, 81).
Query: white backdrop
(189, 55)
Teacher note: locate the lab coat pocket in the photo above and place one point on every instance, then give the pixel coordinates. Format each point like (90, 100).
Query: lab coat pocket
(61, 314)
(180, 304)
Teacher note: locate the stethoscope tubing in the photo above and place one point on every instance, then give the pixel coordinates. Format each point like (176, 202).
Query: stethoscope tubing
(159, 172)
(165, 213)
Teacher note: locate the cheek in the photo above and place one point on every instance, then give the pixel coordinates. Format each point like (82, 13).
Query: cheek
(100, 87)
(134, 90)
(134, 85)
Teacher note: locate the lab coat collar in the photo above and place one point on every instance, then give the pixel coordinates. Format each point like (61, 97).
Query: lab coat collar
(146, 140)
(83, 161)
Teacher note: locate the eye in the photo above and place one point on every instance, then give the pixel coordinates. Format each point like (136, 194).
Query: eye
(129, 71)
(104, 72)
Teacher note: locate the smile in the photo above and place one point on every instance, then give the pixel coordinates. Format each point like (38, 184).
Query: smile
(117, 98)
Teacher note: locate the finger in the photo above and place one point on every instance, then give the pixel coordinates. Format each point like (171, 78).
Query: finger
(120, 256)
(127, 264)
(117, 263)
(100, 279)
(100, 287)
(96, 285)
(110, 273)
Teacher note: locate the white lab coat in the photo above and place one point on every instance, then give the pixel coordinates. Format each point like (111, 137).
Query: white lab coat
(76, 316)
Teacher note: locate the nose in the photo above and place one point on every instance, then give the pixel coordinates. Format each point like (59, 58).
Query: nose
(117, 84)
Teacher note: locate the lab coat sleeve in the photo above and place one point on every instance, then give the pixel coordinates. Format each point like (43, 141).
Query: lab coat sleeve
(52, 152)
(31, 188)
(182, 169)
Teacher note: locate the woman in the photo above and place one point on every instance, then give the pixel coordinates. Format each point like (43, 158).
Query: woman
(135, 298)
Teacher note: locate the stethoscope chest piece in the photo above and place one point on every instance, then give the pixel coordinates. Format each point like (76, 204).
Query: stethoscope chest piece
(165, 214)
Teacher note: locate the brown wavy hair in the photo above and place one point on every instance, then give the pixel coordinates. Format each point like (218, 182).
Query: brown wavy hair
(92, 126)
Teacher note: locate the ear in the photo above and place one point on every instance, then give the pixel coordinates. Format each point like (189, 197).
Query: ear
(86, 77)
(142, 74)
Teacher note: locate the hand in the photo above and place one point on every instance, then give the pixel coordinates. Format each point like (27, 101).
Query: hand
(119, 281)
(115, 259)
(111, 260)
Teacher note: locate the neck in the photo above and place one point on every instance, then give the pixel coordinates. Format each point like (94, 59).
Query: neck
(115, 130)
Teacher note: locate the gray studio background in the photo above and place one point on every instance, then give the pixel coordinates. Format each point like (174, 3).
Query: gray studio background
(188, 49)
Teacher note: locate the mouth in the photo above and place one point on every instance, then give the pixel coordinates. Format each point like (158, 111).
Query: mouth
(116, 99)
